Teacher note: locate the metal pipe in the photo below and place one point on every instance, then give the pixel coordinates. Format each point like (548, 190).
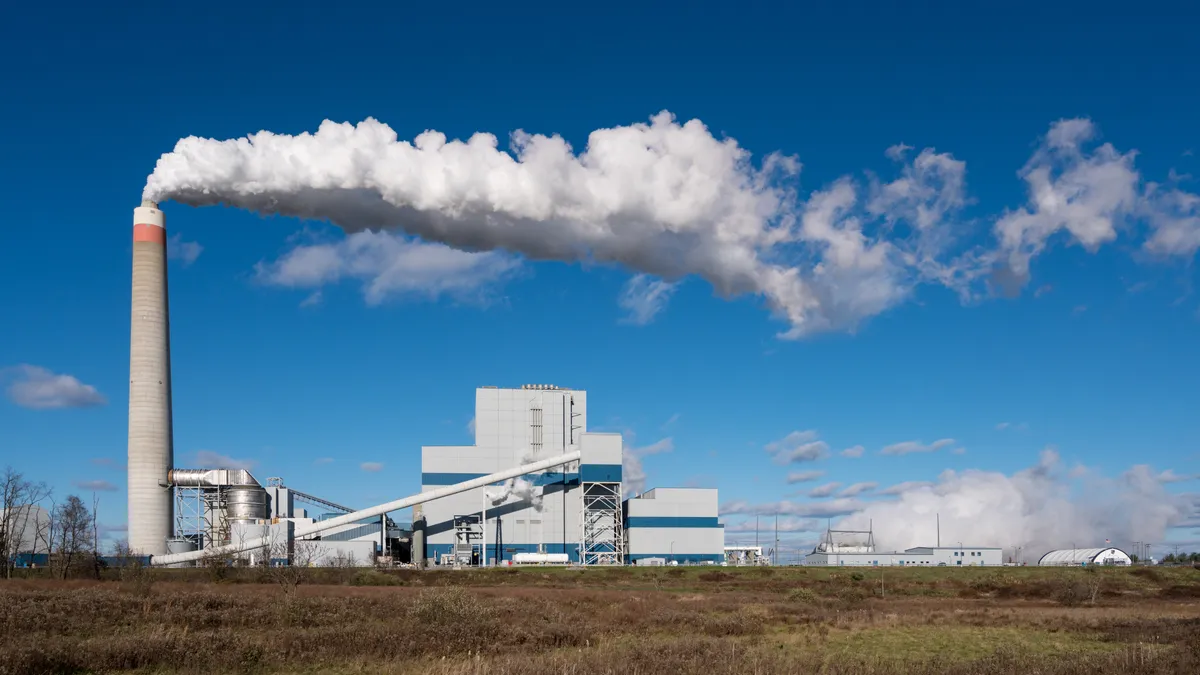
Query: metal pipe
(321, 526)
(211, 478)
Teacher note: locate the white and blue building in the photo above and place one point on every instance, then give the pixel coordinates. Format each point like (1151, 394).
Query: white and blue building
(576, 509)
(674, 525)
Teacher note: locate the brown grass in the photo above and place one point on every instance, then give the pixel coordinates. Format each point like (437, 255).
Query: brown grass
(611, 621)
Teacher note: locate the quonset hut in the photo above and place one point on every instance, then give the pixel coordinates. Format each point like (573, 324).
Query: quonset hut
(1085, 556)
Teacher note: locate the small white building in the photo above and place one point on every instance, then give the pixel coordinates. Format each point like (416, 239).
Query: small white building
(921, 556)
(1085, 556)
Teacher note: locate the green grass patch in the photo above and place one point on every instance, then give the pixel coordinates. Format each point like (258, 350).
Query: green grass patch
(956, 643)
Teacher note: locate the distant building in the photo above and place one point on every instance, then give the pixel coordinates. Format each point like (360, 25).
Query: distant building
(1085, 556)
(852, 548)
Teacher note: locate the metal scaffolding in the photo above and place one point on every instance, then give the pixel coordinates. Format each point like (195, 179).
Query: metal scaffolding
(199, 515)
(603, 536)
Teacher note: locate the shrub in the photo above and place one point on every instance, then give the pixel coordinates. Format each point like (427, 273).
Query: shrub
(803, 595)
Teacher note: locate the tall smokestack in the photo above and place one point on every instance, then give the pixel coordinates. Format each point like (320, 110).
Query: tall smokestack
(151, 453)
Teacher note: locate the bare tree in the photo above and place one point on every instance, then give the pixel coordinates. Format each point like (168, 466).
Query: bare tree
(300, 555)
(73, 525)
(21, 519)
(96, 535)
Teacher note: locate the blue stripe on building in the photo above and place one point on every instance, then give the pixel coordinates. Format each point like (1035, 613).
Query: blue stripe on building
(670, 521)
(553, 478)
(600, 473)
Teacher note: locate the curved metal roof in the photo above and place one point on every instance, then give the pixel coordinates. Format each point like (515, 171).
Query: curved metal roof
(1069, 556)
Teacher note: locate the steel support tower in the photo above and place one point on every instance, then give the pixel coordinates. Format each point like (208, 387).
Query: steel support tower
(602, 532)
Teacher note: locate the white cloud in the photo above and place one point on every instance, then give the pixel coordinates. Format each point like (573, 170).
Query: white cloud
(207, 459)
(185, 252)
(643, 297)
(389, 266)
(1169, 475)
(1085, 194)
(321, 461)
(1003, 425)
(803, 476)
(790, 524)
(96, 486)
(798, 446)
(1035, 508)
(109, 463)
(908, 447)
(857, 489)
(37, 388)
(632, 470)
(671, 420)
(471, 426)
(906, 486)
(821, 509)
(1174, 217)
(855, 451)
(822, 491)
(371, 467)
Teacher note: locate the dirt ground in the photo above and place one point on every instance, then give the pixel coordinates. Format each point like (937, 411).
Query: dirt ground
(553, 620)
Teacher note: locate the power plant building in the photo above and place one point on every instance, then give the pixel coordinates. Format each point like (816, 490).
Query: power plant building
(575, 513)
(538, 513)
(536, 486)
(674, 525)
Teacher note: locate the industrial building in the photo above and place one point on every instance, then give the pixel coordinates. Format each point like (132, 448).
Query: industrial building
(575, 513)
(853, 548)
(674, 526)
(536, 486)
(1085, 556)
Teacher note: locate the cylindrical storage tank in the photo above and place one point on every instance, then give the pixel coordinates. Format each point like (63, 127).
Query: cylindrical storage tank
(246, 503)
(151, 453)
(181, 545)
(540, 558)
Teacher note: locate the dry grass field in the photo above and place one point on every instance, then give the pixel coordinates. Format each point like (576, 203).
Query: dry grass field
(666, 620)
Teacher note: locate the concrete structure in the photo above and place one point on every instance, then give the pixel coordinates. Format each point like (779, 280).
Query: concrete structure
(1086, 556)
(538, 513)
(678, 525)
(921, 556)
(303, 530)
(151, 452)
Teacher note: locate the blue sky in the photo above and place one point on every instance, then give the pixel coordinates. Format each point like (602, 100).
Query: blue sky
(1095, 357)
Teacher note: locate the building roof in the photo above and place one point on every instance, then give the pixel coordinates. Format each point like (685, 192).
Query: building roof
(954, 548)
(1076, 555)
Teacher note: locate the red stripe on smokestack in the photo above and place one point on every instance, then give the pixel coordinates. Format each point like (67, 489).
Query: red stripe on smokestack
(151, 233)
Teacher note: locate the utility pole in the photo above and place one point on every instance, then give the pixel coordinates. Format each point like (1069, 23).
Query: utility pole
(939, 530)
(775, 553)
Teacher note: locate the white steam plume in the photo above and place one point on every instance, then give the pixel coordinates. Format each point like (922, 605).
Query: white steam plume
(668, 200)
(1034, 508)
(664, 199)
(520, 489)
